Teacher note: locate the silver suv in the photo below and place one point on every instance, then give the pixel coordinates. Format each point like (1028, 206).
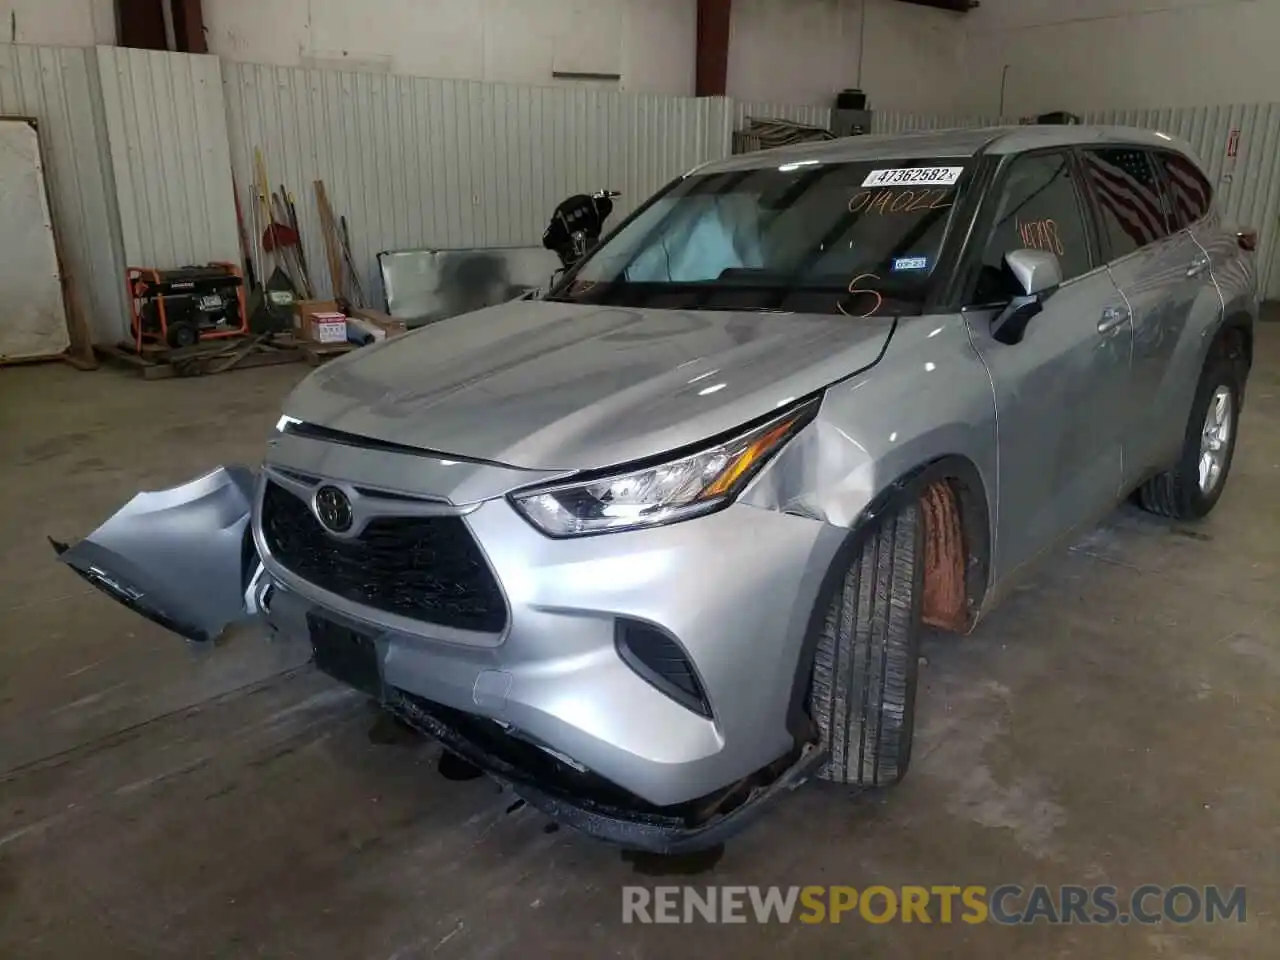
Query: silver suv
(659, 546)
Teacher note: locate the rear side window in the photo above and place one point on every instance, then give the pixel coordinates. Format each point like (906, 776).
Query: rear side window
(1127, 193)
(1039, 209)
(1189, 192)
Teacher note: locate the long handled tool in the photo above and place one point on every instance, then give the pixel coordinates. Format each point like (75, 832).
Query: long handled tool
(356, 285)
(292, 209)
(261, 194)
(246, 251)
(332, 245)
(284, 238)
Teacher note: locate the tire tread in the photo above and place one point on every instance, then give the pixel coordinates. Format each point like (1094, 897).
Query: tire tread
(864, 673)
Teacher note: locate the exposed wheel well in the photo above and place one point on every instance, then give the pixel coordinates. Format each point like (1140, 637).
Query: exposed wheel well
(1234, 340)
(1235, 336)
(953, 502)
(956, 553)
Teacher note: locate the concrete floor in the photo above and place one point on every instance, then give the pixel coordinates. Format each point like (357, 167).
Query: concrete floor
(1114, 722)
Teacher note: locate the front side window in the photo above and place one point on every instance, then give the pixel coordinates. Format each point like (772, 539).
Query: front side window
(1038, 209)
(1127, 193)
(861, 239)
(1189, 192)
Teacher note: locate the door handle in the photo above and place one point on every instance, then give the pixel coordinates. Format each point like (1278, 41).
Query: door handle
(1198, 266)
(1112, 318)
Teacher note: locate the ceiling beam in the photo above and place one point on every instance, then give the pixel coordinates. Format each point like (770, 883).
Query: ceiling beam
(188, 26)
(711, 71)
(955, 6)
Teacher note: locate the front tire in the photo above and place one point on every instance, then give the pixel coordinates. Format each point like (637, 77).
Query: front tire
(1192, 488)
(863, 690)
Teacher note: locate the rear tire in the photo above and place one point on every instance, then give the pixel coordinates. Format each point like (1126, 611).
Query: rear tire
(1185, 493)
(863, 690)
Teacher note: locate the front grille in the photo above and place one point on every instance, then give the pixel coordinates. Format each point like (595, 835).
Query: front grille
(425, 568)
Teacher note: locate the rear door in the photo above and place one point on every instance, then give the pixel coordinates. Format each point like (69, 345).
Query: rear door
(1057, 392)
(1165, 278)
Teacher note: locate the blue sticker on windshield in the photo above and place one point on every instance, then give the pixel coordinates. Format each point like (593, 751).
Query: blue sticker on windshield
(911, 263)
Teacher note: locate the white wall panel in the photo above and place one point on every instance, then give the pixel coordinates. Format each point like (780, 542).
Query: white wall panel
(1103, 54)
(649, 42)
(414, 162)
(893, 121)
(58, 86)
(73, 23)
(905, 56)
(814, 116)
(166, 124)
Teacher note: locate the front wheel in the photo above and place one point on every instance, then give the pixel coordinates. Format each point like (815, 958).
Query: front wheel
(1192, 488)
(863, 690)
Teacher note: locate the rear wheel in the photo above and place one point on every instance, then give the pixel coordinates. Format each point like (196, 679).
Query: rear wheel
(862, 695)
(1192, 488)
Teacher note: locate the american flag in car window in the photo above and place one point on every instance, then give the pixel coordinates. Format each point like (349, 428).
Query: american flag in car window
(1188, 190)
(1129, 197)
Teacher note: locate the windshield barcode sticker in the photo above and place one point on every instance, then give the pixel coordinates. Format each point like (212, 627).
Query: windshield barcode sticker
(911, 263)
(914, 177)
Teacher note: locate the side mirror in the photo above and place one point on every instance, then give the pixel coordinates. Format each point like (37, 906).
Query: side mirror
(1039, 273)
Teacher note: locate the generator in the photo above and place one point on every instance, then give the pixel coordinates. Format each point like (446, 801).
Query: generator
(183, 306)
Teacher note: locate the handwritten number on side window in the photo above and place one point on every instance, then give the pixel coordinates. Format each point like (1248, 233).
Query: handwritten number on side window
(857, 291)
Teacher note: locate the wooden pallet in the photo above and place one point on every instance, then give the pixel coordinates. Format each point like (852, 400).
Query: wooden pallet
(220, 356)
(317, 353)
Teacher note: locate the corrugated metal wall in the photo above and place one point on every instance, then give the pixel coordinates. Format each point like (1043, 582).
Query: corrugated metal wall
(167, 129)
(1248, 185)
(743, 110)
(58, 86)
(896, 121)
(140, 147)
(416, 162)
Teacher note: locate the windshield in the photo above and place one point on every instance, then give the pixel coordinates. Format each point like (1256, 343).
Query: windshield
(860, 239)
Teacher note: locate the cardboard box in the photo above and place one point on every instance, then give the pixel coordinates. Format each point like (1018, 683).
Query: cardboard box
(328, 329)
(384, 321)
(304, 315)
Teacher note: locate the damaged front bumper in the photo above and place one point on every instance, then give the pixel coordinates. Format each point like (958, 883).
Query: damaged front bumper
(549, 707)
(579, 799)
(182, 557)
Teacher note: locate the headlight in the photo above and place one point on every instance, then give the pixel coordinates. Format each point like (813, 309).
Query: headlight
(662, 493)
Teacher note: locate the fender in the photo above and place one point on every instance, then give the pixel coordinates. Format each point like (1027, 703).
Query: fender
(975, 517)
(1238, 321)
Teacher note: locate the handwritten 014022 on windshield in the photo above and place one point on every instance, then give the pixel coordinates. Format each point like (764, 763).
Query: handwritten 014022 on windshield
(890, 201)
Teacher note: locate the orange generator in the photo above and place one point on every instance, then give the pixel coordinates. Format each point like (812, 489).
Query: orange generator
(183, 306)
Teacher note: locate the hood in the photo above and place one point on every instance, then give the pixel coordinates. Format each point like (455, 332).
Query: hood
(546, 385)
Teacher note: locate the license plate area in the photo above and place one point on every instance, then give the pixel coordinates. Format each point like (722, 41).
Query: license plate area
(345, 654)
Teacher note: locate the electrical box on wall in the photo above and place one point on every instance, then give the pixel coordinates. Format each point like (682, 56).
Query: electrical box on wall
(850, 123)
(850, 117)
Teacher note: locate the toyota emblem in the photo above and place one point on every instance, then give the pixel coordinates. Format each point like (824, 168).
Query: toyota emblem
(334, 509)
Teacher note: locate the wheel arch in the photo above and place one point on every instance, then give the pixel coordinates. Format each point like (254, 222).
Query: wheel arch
(1235, 331)
(956, 514)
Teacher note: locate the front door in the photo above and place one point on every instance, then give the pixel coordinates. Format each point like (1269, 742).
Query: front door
(1060, 390)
